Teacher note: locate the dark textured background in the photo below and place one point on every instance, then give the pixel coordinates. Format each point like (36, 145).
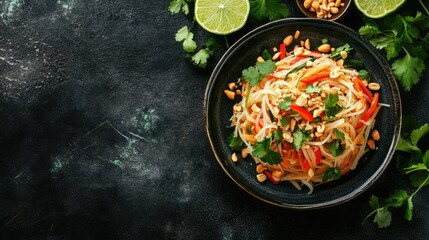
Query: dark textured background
(102, 137)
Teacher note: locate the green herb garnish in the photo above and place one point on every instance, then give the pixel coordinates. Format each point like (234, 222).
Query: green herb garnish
(411, 160)
(331, 173)
(299, 137)
(405, 42)
(262, 150)
(235, 142)
(335, 148)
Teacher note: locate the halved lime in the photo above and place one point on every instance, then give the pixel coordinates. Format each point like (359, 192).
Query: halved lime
(378, 9)
(222, 16)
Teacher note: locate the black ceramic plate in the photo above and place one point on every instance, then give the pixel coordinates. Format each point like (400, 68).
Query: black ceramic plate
(218, 110)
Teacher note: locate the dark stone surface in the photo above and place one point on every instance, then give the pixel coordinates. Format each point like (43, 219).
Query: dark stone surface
(102, 137)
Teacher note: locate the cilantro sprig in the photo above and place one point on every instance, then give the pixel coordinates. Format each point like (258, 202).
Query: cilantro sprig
(254, 74)
(333, 173)
(299, 137)
(405, 41)
(331, 105)
(260, 11)
(262, 150)
(235, 142)
(412, 160)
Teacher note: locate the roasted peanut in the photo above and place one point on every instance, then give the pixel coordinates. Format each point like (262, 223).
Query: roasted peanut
(324, 48)
(230, 94)
(288, 40)
(277, 173)
(307, 44)
(260, 168)
(374, 86)
(234, 157)
(231, 86)
(261, 177)
(297, 33)
(375, 135)
(276, 56)
(371, 144)
(244, 153)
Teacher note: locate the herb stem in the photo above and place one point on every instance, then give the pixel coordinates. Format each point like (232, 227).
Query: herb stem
(226, 42)
(421, 185)
(424, 7)
(192, 25)
(371, 213)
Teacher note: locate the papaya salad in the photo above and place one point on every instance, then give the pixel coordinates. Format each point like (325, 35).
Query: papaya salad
(305, 116)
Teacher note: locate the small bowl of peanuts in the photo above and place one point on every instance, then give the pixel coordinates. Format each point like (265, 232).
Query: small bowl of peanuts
(324, 9)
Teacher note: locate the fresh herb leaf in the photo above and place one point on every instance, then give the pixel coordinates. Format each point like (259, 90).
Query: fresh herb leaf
(406, 146)
(363, 74)
(409, 209)
(179, 5)
(266, 67)
(373, 202)
(335, 148)
(419, 133)
(285, 105)
(284, 121)
(339, 134)
(324, 40)
(278, 135)
(333, 173)
(272, 157)
(299, 137)
(266, 55)
(262, 150)
(331, 105)
(408, 70)
(331, 112)
(337, 53)
(331, 100)
(183, 34)
(248, 129)
(383, 218)
(271, 9)
(272, 118)
(311, 89)
(409, 123)
(410, 160)
(201, 58)
(396, 199)
(253, 75)
(317, 119)
(404, 42)
(235, 142)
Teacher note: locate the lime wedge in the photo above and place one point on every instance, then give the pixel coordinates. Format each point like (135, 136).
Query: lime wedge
(378, 9)
(221, 16)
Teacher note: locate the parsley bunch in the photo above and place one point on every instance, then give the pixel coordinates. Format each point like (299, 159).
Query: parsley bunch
(412, 160)
(405, 40)
(260, 11)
